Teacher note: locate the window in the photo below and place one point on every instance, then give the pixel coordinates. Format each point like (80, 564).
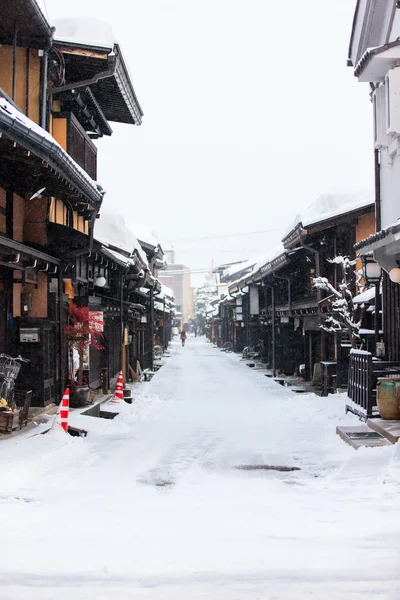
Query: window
(63, 214)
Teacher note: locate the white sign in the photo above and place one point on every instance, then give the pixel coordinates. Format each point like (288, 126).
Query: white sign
(254, 301)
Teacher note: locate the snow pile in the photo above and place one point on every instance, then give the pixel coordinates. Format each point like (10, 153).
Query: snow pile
(148, 236)
(151, 505)
(166, 292)
(84, 31)
(328, 206)
(111, 230)
(269, 257)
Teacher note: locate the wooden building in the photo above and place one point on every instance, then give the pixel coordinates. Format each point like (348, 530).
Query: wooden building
(282, 311)
(56, 96)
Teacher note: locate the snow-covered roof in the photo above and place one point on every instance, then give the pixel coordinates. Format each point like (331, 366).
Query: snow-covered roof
(146, 234)
(121, 257)
(111, 230)
(377, 61)
(84, 31)
(238, 267)
(35, 133)
(167, 291)
(142, 291)
(331, 205)
(365, 297)
(269, 257)
(160, 306)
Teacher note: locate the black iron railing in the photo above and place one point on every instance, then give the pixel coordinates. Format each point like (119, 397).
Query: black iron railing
(364, 371)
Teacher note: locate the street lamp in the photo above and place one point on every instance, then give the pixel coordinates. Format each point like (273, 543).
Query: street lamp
(394, 275)
(372, 275)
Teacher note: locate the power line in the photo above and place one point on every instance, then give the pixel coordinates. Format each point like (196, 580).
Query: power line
(226, 235)
(164, 274)
(45, 8)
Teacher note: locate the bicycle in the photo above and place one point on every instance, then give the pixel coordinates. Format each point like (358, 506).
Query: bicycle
(9, 370)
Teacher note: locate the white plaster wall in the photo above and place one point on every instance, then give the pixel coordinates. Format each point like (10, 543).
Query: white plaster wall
(390, 189)
(395, 32)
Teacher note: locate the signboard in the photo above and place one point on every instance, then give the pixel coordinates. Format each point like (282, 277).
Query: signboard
(254, 301)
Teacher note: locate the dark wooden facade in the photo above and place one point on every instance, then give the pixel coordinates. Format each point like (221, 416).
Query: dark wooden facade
(49, 197)
(287, 325)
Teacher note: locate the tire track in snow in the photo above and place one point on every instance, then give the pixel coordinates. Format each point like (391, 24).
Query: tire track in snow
(180, 457)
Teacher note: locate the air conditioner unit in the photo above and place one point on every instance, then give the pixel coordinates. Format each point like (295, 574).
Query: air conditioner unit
(392, 84)
(380, 118)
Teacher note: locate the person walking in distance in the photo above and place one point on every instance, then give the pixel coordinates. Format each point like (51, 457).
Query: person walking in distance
(183, 337)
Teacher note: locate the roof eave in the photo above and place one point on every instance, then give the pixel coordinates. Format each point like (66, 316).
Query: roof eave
(376, 62)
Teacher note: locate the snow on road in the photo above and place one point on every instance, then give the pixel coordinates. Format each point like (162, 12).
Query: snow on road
(151, 505)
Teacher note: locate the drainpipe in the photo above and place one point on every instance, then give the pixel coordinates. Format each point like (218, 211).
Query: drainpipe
(62, 366)
(378, 212)
(14, 66)
(164, 326)
(123, 347)
(151, 326)
(43, 108)
(273, 329)
(324, 349)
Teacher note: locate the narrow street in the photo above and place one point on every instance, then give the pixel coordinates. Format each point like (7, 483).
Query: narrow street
(155, 504)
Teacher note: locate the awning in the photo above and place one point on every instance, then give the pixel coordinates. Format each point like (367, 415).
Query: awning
(107, 76)
(16, 255)
(365, 297)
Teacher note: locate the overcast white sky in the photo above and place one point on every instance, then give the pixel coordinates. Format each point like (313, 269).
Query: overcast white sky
(250, 113)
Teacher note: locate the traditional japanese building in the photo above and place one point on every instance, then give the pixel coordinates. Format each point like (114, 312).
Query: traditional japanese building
(282, 311)
(374, 54)
(56, 96)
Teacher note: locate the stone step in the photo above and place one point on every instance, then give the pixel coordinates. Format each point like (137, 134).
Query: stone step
(359, 436)
(389, 429)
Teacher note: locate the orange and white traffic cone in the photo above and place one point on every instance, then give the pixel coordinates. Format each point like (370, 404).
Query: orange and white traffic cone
(118, 394)
(61, 418)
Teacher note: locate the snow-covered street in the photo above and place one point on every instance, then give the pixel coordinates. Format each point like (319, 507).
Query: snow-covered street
(151, 504)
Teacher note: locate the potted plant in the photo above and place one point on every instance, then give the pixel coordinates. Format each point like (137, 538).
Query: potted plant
(82, 331)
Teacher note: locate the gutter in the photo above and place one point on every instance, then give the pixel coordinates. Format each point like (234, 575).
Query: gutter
(43, 108)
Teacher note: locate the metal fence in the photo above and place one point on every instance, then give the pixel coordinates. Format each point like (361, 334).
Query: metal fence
(364, 371)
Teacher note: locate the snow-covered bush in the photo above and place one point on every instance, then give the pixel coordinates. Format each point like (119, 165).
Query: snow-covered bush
(347, 315)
